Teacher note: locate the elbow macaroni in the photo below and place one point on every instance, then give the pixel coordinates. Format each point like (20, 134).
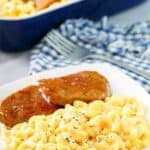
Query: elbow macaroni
(16, 8)
(117, 124)
(20, 8)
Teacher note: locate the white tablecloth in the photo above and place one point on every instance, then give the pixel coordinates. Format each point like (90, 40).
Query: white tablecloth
(13, 66)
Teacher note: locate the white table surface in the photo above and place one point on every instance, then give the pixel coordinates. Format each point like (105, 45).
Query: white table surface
(16, 65)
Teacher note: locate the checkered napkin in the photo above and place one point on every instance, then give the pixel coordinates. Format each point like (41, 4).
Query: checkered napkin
(129, 44)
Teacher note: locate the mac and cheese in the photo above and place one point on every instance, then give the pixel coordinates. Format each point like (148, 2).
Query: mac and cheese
(117, 124)
(19, 8)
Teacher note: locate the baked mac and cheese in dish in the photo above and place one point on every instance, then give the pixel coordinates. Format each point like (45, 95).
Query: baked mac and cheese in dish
(21, 8)
(118, 123)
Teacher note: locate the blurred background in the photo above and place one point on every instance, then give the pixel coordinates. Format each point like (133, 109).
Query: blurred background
(14, 65)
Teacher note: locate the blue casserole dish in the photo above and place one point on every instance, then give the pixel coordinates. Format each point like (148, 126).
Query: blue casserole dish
(22, 33)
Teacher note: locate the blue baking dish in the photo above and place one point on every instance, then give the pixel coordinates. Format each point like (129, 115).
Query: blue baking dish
(23, 33)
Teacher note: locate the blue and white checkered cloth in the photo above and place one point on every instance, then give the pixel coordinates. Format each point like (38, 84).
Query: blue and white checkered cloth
(129, 44)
